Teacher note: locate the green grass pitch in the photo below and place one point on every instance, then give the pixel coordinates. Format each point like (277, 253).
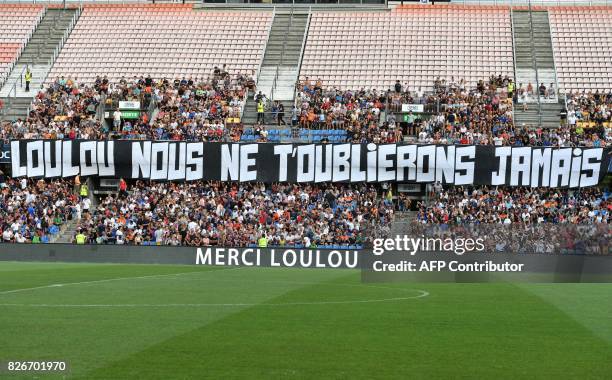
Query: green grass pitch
(186, 322)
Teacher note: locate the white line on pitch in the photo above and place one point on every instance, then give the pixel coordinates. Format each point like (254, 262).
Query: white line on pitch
(111, 279)
(422, 293)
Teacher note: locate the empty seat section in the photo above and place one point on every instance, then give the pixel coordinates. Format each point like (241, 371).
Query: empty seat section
(414, 44)
(164, 41)
(582, 42)
(17, 22)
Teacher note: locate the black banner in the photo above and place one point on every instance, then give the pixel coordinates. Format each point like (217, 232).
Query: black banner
(5, 153)
(189, 161)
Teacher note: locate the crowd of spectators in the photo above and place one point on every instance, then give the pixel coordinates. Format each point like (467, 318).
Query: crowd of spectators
(481, 115)
(63, 110)
(357, 112)
(199, 109)
(522, 205)
(231, 214)
(208, 109)
(195, 109)
(589, 116)
(510, 219)
(520, 220)
(33, 211)
(530, 94)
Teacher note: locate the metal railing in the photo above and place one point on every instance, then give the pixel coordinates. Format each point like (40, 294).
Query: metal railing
(535, 65)
(12, 94)
(280, 63)
(554, 62)
(513, 62)
(299, 67)
(59, 47)
(266, 44)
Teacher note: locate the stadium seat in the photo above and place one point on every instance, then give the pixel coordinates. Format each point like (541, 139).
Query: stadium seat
(583, 55)
(175, 41)
(413, 44)
(17, 23)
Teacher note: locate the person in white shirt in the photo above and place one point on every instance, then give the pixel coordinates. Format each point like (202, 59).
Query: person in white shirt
(19, 238)
(86, 204)
(116, 119)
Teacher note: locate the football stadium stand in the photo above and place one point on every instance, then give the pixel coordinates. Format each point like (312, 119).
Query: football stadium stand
(17, 22)
(413, 44)
(162, 40)
(474, 74)
(582, 38)
(236, 215)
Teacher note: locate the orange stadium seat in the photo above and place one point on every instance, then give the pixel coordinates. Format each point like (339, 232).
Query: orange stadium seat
(16, 24)
(162, 40)
(413, 44)
(582, 42)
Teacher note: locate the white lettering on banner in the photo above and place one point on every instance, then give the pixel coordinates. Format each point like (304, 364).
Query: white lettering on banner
(323, 166)
(499, 177)
(560, 168)
(141, 158)
(520, 166)
(288, 258)
(35, 166)
(445, 164)
(5, 155)
(412, 163)
(305, 153)
(247, 162)
(357, 175)
(106, 160)
(540, 160)
(386, 166)
(53, 167)
(88, 150)
(194, 164)
(176, 164)
(464, 169)
(282, 151)
(235, 257)
(229, 162)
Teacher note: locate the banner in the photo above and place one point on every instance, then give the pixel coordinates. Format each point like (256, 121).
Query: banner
(5, 153)
(299, 163)
(418, 108)
(130, 115)
(129, 105)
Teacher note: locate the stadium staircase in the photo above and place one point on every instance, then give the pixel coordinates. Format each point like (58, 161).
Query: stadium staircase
(67, 232)
(279, 69)
(399, 227)
(534, 63)
(38, 54)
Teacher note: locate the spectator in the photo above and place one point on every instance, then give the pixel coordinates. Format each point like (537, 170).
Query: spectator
(235, 214)
(27, 78)
(260, 111)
